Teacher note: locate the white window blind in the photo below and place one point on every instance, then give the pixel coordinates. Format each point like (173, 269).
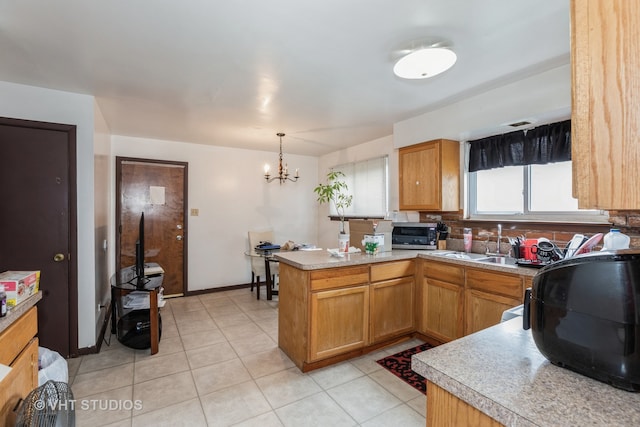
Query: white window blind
(368, 183)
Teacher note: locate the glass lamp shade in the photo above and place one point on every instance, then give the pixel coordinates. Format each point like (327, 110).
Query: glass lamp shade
(425, 63)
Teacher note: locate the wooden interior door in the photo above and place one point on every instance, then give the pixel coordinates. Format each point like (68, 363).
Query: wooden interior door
(158, 189)
(38, 221)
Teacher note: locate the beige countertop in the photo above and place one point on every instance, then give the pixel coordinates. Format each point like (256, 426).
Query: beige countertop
(316, 260)
(319, 259)
(500, 371)
(17, 311)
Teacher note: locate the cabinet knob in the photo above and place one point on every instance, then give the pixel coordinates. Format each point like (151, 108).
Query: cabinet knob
(417, 182)
(58, 257)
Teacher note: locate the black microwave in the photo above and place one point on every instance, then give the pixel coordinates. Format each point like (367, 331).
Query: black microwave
(414, 235)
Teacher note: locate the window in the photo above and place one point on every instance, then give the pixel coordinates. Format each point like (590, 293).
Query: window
(532, 191)
(368, 183)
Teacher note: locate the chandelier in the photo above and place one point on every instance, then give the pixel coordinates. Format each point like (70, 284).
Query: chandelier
(283, 171)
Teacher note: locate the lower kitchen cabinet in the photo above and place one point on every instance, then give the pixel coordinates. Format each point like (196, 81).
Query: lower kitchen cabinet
(455, 300)
(488, 294)
(443, 304)
(442, 301)
(328, 315)
(18, 349)
(485, 309)
(392, 313)
(339, 321)
(331, 314)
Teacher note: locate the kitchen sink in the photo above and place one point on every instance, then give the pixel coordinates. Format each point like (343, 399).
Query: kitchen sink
(497, 260)
(459, 255)
(470, 256)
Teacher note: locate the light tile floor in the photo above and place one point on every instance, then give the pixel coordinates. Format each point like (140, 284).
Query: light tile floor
(219, 365)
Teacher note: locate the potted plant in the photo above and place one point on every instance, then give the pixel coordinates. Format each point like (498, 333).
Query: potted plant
(336, 191)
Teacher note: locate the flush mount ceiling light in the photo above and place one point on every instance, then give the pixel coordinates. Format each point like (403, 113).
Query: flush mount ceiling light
(422, 62)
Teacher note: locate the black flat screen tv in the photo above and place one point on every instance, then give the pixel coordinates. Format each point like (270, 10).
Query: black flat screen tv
(139, 267)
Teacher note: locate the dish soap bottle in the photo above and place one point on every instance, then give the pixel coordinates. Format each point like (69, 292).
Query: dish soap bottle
(614, 239)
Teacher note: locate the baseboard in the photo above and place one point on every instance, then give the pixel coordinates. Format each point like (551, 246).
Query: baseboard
(105, 324)
(103, 330)
(221, 289)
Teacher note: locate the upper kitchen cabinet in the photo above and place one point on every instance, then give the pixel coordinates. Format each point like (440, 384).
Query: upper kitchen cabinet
(430, 176)
(605, 46)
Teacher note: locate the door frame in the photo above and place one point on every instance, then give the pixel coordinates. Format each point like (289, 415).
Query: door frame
(72, 189)
(185, 247)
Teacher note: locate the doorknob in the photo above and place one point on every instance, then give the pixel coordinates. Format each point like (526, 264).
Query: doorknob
(178, 237)
(58, 257)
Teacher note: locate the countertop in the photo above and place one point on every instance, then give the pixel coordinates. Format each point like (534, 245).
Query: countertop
(319, 259)
(500, 371)
(19, 310)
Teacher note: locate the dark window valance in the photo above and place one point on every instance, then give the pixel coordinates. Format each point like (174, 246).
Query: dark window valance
(543, 144)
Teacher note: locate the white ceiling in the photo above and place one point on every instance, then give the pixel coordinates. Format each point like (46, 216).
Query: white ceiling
(236, 72)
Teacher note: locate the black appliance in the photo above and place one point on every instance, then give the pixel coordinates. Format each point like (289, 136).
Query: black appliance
(413, 235)
(584, 315)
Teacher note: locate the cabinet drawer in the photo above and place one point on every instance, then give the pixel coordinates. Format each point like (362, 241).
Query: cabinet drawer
(17, 336)
(392, 270)
(339, 277)
(445, 272)
(504, 284)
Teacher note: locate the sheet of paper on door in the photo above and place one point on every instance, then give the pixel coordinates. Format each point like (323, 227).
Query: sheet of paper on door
(156, 194)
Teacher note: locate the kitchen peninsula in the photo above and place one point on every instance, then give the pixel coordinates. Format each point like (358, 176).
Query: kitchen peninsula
(332, 309)
(498, 377)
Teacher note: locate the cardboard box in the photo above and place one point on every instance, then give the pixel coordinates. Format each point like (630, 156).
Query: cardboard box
(19, 285)
(359, 227)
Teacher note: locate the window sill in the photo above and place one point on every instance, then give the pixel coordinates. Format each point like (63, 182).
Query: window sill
(347, 218)
(591, 220)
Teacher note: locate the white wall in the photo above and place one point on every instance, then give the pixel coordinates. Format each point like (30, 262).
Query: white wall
(228, 188)
(32, 103)
(102, 213)
(543, 98)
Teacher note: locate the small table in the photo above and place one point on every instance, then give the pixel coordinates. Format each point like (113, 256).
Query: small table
(131, 324)
(268, 259)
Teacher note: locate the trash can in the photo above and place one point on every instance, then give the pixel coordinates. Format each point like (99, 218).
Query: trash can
(51, 366)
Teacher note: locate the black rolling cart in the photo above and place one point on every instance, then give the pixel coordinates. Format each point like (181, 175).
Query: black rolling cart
(135, 311)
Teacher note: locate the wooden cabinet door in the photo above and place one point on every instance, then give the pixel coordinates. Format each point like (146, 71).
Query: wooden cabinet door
(485, 309)
(391, 308)
(429, 176)
(19, 382)
(419, 177)
(442, 310)
(605, 118)
(339, 321)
